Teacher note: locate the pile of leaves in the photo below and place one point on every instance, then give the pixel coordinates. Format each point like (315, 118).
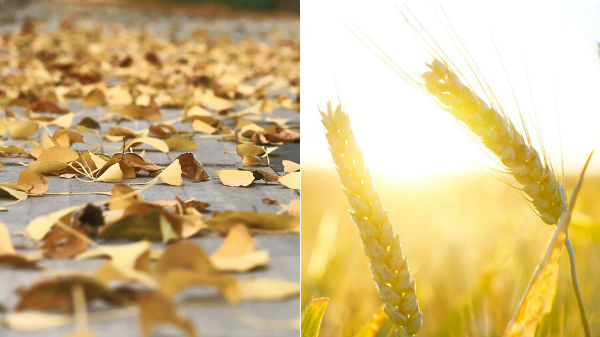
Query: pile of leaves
(65, 98)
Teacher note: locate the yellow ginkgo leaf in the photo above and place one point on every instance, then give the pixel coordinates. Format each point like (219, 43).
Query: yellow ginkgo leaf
(112, 175)
(171, 175)
(38, 228)
(290, 166)
(154, 142)
(203, 127)
(178, 143)
(236, 178)
(291, 180)
(64, 121)
(22, 129)
(59, 154)
(262, 289)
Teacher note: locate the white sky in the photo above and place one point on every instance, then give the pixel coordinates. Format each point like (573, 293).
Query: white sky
(403, 132)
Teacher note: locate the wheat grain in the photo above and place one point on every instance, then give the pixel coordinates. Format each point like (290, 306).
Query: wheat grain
(382, 246)
(500, 136)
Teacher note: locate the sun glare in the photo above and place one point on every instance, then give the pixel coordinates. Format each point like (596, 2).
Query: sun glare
(547, 62)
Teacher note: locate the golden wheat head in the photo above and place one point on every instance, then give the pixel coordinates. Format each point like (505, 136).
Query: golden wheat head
(501, 137)
(382, 246)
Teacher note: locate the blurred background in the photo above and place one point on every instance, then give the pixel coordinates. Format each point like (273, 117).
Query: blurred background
(472, 239)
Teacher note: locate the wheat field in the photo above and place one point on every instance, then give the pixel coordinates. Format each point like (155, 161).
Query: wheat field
(472, 242)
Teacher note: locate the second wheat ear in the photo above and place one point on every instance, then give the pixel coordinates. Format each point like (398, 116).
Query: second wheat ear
(381, 244)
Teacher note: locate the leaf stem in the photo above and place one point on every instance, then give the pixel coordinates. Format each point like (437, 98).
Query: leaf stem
(575, 282)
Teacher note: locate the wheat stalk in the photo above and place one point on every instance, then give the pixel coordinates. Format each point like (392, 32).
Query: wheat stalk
(501, 137)
(381, 244)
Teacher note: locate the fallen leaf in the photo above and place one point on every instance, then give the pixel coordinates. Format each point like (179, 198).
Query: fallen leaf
(125, 255)
(191, 168)
(112, 175)
(55, 294)
(185, 264)
(60, 243)
(235, 178)
(291, 180)
(6, 246)
(58, 154)
(156, 309)
(178, 143)
(38, 228)
(94, 98)
(270, 201)
(32, 182)
(262, 289)
(290, 166)
(171, 175)
(22, 129)
(255, 221)
(239, 252)
(154, 142)
(11, 191)
(203, 127)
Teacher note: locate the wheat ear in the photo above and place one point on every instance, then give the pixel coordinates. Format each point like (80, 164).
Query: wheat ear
(501, 137)
(382, 246)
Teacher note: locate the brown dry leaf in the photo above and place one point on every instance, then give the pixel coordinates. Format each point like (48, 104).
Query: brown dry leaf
(191, 168)
(239, 252)
(278, 134)
(289, 166)
(184, 264)
(113, 174)
(178, 143)
(11, 191)
(270, 201)
(235, 178)
(22, 129)
(154, 142)
(60, 243)
(156, 309)
(203, 127)
(55, 294)
(162, 131)
(262, 289)
(291, 180)
(32, 182)
(255, 221)
(47, 106)
(171, 175)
